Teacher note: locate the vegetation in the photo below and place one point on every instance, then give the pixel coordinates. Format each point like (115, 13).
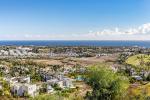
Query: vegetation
(139, 92)
(103, 83)
(122, 58)
(106, 84)
(47, 97)
(139, 59)
(5, 90)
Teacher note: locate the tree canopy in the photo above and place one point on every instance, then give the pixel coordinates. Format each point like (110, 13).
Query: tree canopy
(106, 84)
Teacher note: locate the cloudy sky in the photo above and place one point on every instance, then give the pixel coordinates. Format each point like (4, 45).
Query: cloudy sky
(74, 19)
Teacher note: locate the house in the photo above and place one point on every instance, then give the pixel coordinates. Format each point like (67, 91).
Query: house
(56, 81)
(31, 89)
(138, 78)
(49, 88)
(79, 78)
(20, 89)
(25, 79)
(67, 83)
(17, 89)
(5, 53)
(60, 76)
(132, 72)
(11, 80)
(4, 69)
(46, 76)
(52, 81)
(144, 74)
(60, 83)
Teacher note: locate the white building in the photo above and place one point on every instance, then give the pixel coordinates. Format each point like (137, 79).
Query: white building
(22, 89)
(14, 80)
(11, 80)
(5, 53)
(49, 89)
(25, 79)
(55, 81)
(64, 83)
(67, 83)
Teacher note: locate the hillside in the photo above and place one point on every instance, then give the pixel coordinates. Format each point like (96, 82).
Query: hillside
(139, 59)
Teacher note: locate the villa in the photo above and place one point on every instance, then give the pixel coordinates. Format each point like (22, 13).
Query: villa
(24, 89)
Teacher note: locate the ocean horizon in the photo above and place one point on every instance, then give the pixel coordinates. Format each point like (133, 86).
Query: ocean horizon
(75, 43)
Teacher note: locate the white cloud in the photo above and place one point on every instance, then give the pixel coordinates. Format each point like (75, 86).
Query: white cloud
(140, 33)
(143, 29)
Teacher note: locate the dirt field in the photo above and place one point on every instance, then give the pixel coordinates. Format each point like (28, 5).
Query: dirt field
(49, 62)
(80, 61)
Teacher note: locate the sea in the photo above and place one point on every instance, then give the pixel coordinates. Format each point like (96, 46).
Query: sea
(145, 44)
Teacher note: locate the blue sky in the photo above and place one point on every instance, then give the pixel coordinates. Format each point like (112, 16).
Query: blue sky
(74, 19)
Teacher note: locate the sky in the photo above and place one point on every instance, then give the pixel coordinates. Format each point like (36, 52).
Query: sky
(74, 19)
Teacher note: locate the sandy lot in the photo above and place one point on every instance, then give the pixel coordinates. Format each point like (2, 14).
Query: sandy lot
(49, 61)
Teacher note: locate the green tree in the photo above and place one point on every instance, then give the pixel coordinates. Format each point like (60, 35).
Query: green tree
(106, 84)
